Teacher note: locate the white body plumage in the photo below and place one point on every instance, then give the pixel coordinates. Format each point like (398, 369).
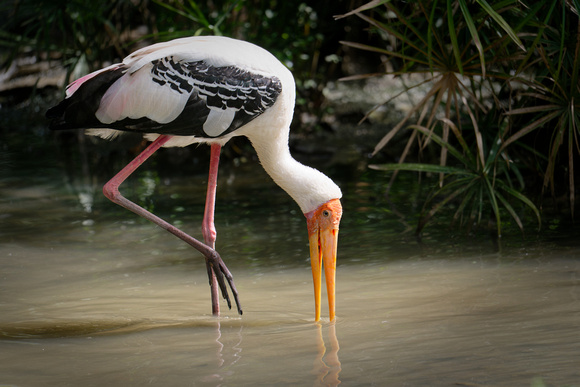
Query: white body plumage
(151, 88)
(208, 89)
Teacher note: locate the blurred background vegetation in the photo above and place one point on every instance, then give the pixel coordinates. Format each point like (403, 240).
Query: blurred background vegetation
(491, 122)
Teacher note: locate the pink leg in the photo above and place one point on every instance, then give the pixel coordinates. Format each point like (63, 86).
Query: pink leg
(208, 226)
(214, 261)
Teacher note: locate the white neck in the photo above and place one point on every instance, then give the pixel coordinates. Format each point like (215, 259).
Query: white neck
(307, 186)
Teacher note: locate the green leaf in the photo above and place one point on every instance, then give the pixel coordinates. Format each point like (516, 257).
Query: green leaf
(492, 195)
(511, 211)
(417, 167)
(474, 34)
(379, 50)
(454, 151)
(534, 125)
(453, 36)
(425, 218)
(430, 36)
(364, 7)
(524, 199)
(502, 23)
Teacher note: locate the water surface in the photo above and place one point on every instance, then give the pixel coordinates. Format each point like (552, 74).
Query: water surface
(91, 295)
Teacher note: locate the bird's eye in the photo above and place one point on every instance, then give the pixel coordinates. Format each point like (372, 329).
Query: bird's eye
(326, 213)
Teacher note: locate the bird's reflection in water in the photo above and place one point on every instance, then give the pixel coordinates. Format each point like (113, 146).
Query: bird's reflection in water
(226, 355)
(220, 345)
(327, 368)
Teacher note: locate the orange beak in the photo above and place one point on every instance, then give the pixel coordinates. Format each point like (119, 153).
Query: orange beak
(323, 225)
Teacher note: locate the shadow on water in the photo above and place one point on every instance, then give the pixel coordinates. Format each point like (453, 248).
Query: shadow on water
(90, 295)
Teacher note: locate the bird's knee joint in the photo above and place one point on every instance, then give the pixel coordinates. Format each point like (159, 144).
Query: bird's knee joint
(111, 192)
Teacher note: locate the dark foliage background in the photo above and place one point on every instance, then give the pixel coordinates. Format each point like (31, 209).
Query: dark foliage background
(498, 121)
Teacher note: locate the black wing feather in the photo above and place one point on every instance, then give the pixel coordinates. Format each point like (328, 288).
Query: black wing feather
(78, 111)
(227, 87)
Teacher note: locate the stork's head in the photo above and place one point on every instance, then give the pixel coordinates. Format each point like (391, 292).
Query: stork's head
(323, 236)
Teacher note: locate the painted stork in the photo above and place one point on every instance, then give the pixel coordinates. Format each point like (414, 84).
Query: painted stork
(208, 90)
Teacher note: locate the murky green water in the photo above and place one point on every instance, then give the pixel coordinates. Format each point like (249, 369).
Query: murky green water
(91, 295)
